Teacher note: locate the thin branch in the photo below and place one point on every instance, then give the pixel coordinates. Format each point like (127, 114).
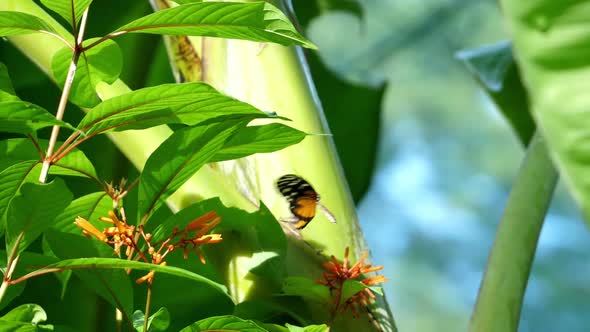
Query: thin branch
(37, 147)
(148, 302)
(63, 101)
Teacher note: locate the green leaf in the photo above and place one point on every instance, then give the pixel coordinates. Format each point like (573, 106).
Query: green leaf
(33, 211)
(182, 2)
(307, 288)
(494, 68)
(17, 150)
(259, 139)
(89, 207)
(550, 40)
(6, 89)
(224, 323)
(352, 287)
(310, 328)
(275, 308)
(156, 323)
(256, 238)
(21, 117)
(67, 8)
(188, 103)
(112, 285)
(17, 23)
(258, 21)
(101, 63)
(178, 158)
(11, 180)
(123, 264)
(27, 313)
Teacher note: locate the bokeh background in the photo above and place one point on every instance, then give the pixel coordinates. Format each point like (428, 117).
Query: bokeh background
(445, 162)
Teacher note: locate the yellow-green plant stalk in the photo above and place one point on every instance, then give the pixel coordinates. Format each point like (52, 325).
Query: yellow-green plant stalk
(275, 79)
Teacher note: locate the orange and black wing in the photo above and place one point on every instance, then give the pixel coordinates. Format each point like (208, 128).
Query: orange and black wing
(301, 196)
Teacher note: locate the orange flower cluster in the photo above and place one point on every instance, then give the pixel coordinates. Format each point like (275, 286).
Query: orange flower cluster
(122, 235)
(337, 273)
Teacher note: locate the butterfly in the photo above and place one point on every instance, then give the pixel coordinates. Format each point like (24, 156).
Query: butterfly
(303, 200)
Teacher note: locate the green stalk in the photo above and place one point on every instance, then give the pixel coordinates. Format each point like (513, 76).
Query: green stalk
(275, 78)
(499, 301)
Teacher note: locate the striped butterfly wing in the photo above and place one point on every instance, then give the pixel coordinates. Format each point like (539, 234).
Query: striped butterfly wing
(303, 199)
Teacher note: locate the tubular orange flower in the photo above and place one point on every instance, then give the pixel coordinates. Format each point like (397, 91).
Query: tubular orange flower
(337, 273)
(88, 228)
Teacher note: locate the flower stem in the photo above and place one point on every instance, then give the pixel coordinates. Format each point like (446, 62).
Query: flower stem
(148, 301)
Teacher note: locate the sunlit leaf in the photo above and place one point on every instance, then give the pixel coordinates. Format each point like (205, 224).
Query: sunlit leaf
(29, 313)
(352, 287)
(89, 207)
(11, 180)
(24, 118)
(310, 328)
(178, 158)
(550, 40)
(224, 323)
(182, 2)
(33, 211)
(17, 23)
(157, 322)
(306, 288)
(259, 139)
(495, 69)
(101, 63)
(123, 264)
(258, 21)
(188, 103)
(7, 92)
(65, 8)
(256, 237)
(15, 150)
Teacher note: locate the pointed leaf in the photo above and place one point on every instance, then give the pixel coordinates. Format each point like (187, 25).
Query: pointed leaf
(123, 264)
(11, 180)
(156, 323)
(259, 139)
(28, 313)
(224, 323)
(259, 239)
(7, 92)
(89, 207)
(17, 23)
(352, 287)
(17, 150)
(188, 103)
(258, 21)
(309, 328)
(178, 158)
(33, 211)
(67, 8)
(495, 69)
(550, 40)
(307, 288)
(21, 117)
(101, 63)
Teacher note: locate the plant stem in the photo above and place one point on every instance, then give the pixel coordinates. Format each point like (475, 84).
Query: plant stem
(63, 101)
(148, 301)
(502, 289)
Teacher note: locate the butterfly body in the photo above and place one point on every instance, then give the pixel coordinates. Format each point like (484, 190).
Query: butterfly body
(303, 199)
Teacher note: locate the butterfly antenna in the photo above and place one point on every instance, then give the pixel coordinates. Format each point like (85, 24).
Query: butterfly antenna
(327, 213)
